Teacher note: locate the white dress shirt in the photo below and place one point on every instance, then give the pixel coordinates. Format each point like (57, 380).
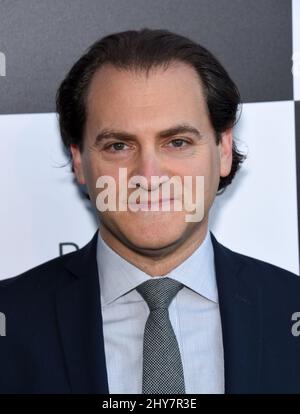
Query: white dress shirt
(194, 315)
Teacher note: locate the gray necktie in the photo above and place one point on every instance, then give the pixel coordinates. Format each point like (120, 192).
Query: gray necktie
(162, 366)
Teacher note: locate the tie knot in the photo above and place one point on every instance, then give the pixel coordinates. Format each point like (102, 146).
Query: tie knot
(158, 293)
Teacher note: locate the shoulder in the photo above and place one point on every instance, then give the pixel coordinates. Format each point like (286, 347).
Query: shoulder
(267, 277)
(266, 272)
(42, 279)
(253, 270)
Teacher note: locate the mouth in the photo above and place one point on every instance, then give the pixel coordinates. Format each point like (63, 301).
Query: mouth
(148, 204)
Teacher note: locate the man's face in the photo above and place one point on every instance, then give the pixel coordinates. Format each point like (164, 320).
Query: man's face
(143, 106)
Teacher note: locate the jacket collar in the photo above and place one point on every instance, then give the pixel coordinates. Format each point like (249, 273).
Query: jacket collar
(80, 323)
(240, 309)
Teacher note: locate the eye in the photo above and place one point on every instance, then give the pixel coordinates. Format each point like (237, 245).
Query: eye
(115, 147)
(179, 143)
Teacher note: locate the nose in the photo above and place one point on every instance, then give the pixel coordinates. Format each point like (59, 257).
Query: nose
(150, 165)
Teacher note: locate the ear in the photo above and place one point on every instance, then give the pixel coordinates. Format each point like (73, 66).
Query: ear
(77, 163)
(225, 151)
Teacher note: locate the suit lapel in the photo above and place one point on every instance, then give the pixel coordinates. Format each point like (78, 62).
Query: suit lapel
(80, 323)
(240, 302)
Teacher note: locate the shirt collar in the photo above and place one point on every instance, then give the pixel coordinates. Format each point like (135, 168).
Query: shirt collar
(118, 276)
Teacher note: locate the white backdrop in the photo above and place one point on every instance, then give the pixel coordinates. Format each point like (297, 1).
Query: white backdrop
(257, 215)
(41, 206)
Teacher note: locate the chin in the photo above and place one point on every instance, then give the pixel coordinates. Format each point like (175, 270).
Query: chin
(153, 236)
(153, 247)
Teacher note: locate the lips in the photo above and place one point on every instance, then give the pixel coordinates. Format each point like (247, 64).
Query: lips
(153, 204)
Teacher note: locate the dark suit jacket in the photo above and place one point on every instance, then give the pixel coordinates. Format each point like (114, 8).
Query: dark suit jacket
(54, 340)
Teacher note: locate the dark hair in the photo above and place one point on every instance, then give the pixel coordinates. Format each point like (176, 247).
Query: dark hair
(142, 50)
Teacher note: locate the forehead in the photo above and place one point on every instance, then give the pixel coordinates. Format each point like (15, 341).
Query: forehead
(120, 97)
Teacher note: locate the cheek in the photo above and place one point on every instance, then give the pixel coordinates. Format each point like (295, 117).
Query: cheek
(204, 165)
(96, 171)
(212, 178)
(94, 168)
(207, 166)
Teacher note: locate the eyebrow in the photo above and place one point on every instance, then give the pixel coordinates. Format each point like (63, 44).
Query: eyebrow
(123, 135)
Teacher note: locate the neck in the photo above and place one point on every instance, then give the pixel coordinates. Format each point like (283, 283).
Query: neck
(163, 263)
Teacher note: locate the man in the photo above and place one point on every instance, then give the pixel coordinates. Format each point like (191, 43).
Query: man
(154, 303)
